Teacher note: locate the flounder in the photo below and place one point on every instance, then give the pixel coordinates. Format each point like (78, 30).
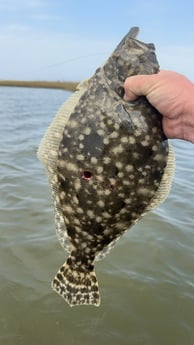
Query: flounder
(108, 164)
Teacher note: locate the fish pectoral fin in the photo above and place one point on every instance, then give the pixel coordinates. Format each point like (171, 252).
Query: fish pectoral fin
(77, 284)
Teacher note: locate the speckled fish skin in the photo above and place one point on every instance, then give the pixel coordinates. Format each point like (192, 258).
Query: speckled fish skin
(110, 169)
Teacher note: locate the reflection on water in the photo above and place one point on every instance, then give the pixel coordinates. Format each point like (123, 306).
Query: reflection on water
(146, 282)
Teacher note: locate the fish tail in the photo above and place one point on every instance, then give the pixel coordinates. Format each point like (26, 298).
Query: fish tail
(78, 285)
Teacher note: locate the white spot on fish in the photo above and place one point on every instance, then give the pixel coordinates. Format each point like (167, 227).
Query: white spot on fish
(112, 181)
(72, 124)
(119, 165)
(77, 185)
(131, 140)
(66, 220)
(154, 130)
(71, 166)
(142, 191)
(100, 203)
(91, 214)
(75, 200)
(101, 132)
(100, 170)
(87, 131)
(117, 149)
(126, 182)
(106, 160)
(106, 141)
(120, 174)
(129, 168)
(145, 143)
(94, 160)
(76, 221)
(124, 140)
(114, 135)
(117, 126)
(80, 157)
(98, 219)
(110, 122)
(69, 209)
(159, 157)
(107, 192)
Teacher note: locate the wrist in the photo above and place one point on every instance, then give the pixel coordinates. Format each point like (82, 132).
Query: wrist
(188, 115)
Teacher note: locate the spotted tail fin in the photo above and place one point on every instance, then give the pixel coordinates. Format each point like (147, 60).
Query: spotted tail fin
(77, 286)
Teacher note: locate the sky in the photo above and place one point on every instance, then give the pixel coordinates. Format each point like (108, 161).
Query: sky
(69, 39)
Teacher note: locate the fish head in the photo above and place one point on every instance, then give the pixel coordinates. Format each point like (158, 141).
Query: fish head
(131, 57)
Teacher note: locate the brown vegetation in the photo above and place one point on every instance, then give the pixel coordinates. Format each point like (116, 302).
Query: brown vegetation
(65, 85)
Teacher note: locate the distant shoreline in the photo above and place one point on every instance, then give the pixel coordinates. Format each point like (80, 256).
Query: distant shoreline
(64, 85)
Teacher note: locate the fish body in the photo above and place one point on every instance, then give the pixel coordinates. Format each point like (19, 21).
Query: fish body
(108, 163)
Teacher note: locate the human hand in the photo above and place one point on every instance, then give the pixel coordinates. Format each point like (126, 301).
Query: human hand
(172, 95)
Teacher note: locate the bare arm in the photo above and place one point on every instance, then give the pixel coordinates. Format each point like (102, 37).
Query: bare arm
(172, 95)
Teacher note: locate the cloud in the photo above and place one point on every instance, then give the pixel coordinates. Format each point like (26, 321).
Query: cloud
(15, 28)
(16, 5)
(45, 17)
(35, 3)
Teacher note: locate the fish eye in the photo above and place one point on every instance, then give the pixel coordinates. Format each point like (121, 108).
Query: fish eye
(87, 175)
(112, 187)
(120, 91)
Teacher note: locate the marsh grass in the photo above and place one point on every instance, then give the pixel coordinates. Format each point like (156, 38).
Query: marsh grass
(65, 85)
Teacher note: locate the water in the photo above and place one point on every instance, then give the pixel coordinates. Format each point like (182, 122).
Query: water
(146, 282)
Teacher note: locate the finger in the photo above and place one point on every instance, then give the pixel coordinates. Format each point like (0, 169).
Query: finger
(139, 85)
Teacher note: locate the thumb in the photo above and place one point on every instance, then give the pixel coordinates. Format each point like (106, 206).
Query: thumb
(138, 85)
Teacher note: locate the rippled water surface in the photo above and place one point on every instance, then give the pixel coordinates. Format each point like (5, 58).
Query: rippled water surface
(146, 282)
